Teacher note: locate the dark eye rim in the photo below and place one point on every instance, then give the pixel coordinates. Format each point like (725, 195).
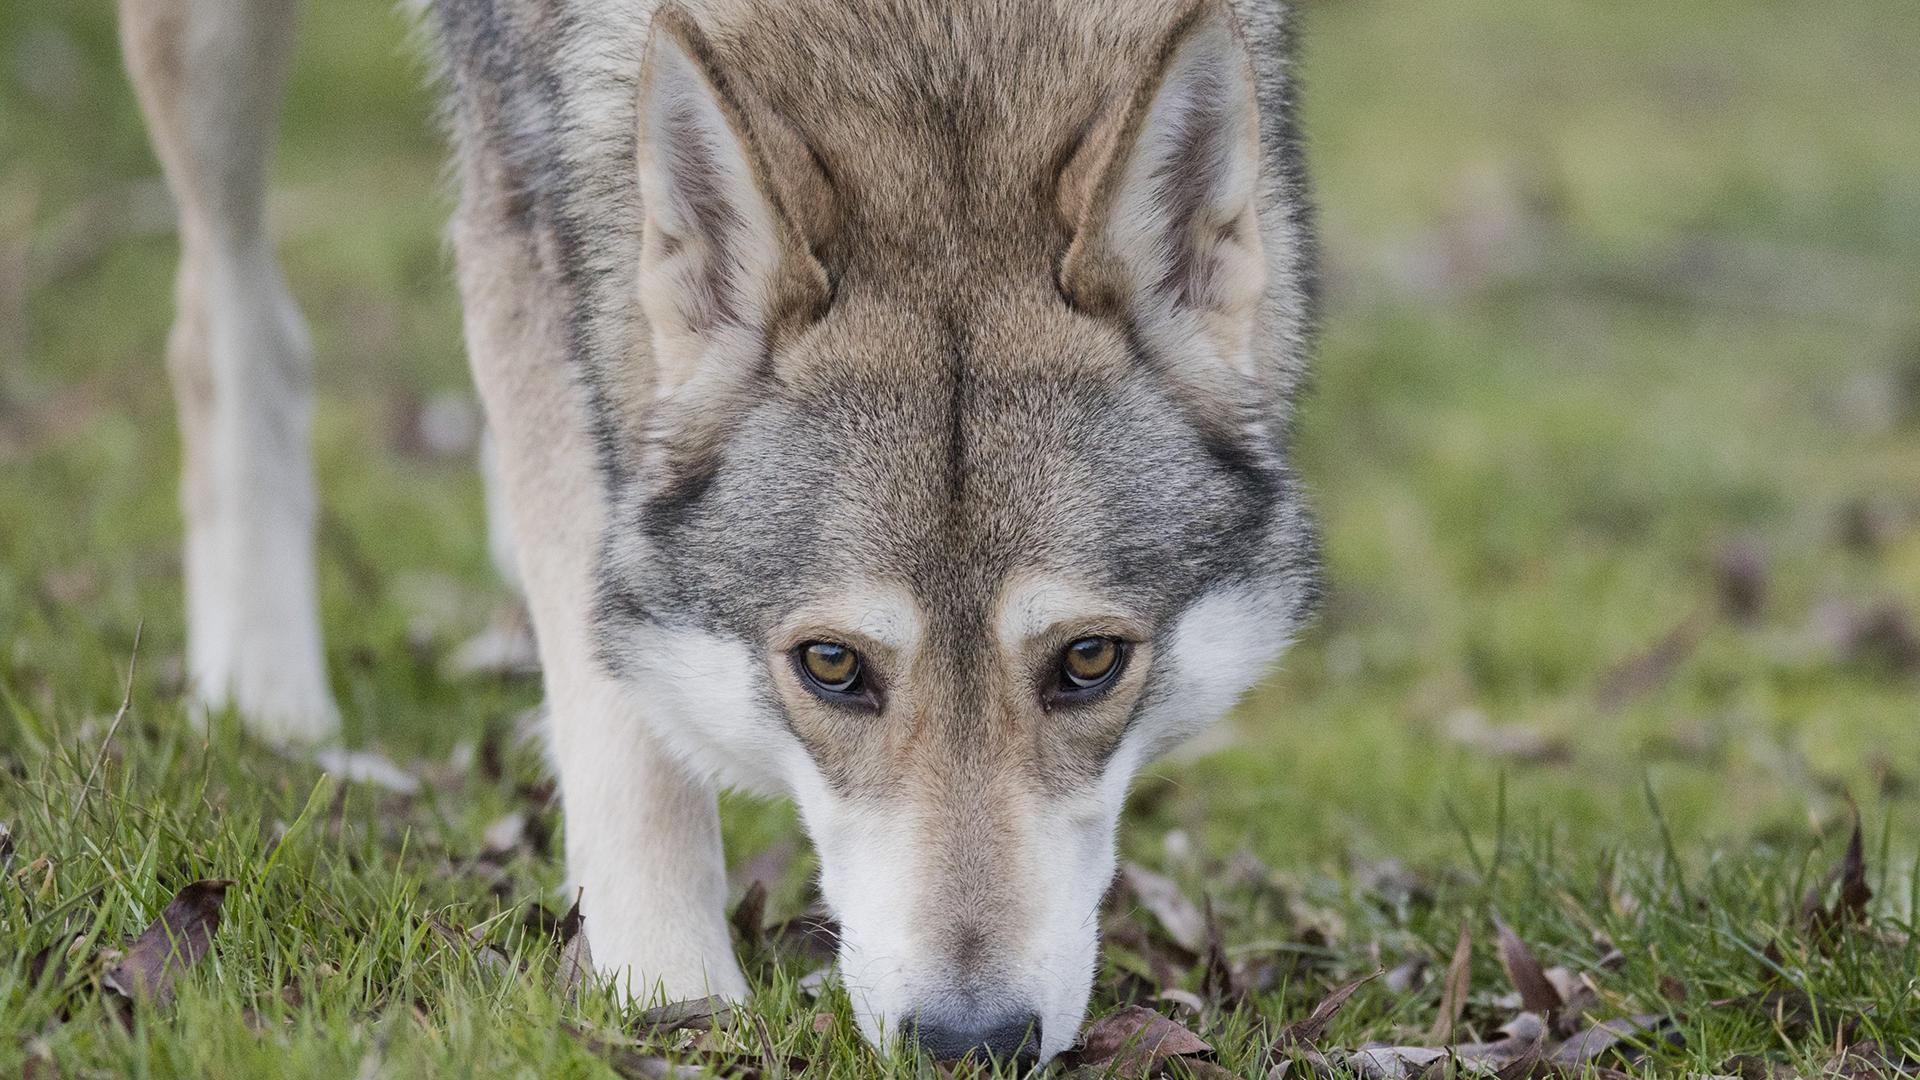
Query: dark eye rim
(1063, 690)
(859, 691)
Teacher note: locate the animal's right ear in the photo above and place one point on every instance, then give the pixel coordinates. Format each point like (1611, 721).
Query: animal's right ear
(723, 268)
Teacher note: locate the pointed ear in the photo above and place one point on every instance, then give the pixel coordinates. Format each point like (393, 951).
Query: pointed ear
(723, 268)
(1168, 231)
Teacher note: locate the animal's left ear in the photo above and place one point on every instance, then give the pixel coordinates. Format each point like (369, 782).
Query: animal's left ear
(1168, 230)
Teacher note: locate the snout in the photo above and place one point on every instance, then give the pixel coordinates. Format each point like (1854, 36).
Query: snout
(949, 1034)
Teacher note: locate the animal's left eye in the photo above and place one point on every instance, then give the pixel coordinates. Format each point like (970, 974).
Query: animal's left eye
(1089, 664)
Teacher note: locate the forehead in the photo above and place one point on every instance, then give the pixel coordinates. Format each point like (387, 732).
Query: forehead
(954, 448)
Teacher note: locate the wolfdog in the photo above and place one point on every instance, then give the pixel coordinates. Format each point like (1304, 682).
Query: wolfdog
(891, 400)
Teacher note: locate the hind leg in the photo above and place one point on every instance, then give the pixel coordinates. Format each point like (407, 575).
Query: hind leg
(210, 74)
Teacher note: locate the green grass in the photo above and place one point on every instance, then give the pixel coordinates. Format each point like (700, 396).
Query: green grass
(1611, 289)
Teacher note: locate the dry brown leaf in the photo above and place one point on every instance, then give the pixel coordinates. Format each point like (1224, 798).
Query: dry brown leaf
(627, 1059)
(1453, 988)
(1307, 1033)
(1637, 676)
(1177, 915)
(1525, 1032)
(1755, 1067)
(1590, 1044)
(173, 943)
(1393, 1062)
(706, 1012)
(1851, 903)
(1218, 983)
(488, 956)
(1868, 1060)
(1132, 1042)
(1537, 993)
(50, 964)
(750, 915)
(576, 957)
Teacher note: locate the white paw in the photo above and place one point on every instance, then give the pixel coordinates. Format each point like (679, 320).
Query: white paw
(655, 963)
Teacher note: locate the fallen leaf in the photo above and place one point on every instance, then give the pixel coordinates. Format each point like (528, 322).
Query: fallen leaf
(1217, 981)
(1307, 1033)
(1132, 1041)
(1453, 988)
(488, 956)
(627, 1059)
(823, 1022)
(1869, 1061)
(706, 1012)
(173, 943)
(50, 964)
(1393, 1062)
(1154, 962)
(1176, 914)
(750, 915)
(576, 958)
(1851, 903)
(1755, 1067)
(1588, 1045)
(1637, 676)
(1537, 993)
(1519, 1036)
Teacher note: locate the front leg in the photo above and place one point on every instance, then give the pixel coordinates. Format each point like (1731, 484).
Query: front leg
(642, 839)
(642, 834)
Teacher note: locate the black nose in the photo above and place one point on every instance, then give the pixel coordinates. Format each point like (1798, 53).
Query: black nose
(1004, 1038)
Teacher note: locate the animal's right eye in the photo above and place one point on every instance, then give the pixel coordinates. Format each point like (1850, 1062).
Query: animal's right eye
(830, 669)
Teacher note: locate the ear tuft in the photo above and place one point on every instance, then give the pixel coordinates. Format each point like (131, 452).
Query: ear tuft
(1169, 232)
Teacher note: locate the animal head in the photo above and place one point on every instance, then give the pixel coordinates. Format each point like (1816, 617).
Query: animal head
(962, 494)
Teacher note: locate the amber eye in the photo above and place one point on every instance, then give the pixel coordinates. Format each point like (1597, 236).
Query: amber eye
(832, 668)
(1089, 663)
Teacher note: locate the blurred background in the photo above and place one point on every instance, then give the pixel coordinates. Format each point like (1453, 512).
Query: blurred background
(1615, 433)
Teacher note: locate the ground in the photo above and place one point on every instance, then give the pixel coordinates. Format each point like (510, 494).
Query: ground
(1616, 440)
